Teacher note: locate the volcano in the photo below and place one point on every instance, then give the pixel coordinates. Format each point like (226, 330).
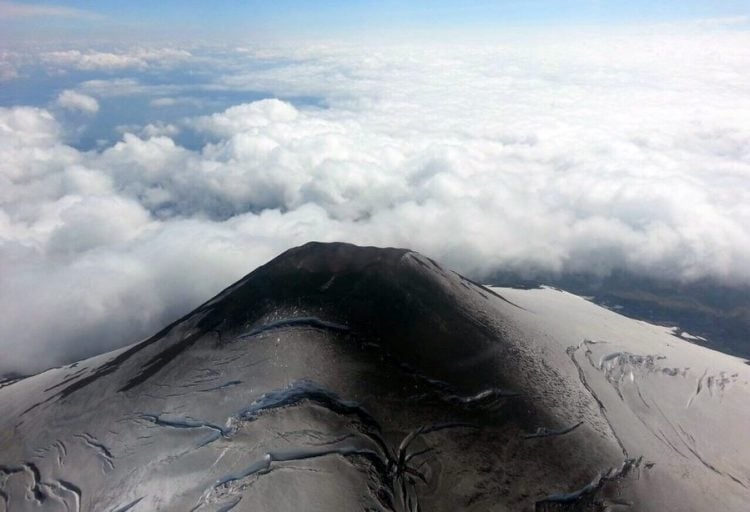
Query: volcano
(338, 377)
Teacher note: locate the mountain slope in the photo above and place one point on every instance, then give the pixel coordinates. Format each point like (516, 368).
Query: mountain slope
(337, 377)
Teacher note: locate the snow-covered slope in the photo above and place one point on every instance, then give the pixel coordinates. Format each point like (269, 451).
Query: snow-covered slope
(682, 407)
(345, 378)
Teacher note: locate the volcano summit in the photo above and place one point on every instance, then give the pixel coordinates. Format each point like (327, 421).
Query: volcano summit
(338, 377)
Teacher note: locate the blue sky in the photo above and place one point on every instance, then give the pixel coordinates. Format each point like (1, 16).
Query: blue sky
(337, 17)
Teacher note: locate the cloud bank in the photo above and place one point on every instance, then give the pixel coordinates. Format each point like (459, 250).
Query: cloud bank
(621, 152)
(138, 58)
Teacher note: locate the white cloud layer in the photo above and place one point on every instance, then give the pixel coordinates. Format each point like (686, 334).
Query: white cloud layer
(138, 58)
(73, 100)
(622, 152)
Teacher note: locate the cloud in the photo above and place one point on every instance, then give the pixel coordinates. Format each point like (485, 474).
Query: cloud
(159, 129)
(167, 101)
(137, 58)
(93, 60)
(727, 21)
(73, 100)
(14, 10)
(246, 117)
(621, 152)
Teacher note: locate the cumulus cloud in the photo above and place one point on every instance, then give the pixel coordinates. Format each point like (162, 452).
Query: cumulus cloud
(625, 152)
(73, 100)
